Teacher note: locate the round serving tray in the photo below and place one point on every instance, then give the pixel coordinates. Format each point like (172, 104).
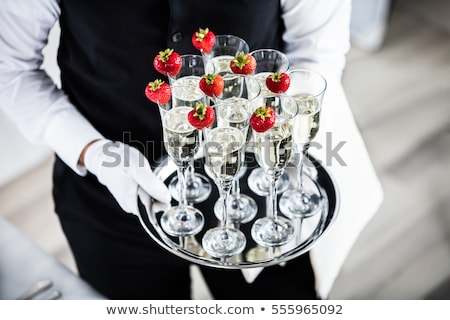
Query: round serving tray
(313, 229)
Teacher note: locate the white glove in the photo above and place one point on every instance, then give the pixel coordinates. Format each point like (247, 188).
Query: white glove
(123, 169)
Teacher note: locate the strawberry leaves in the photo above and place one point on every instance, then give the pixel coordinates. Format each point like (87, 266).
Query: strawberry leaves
(203, 40)
(262, 119)
(167, 62)
(158, 91)
(278, 82)
(202, 116)
(212, 85)
(243, 63)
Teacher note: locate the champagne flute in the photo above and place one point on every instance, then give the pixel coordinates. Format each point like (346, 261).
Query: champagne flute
(233, 109)
(223, 159)
(268, 61)
(307, 88)
(224, 50)
(182, 142)
(234, 112)
(193, 67)
(198, 187)
(273, 150)
(239, 86)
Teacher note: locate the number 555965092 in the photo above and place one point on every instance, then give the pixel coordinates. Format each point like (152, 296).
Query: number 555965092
(306, 309)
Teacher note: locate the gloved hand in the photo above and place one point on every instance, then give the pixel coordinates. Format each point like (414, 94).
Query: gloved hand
(123, 170)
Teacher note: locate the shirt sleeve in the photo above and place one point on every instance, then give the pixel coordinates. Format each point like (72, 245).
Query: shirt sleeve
(42, 112)
(317, 34)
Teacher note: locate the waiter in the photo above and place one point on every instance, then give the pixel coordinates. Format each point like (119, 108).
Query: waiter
(105, 55)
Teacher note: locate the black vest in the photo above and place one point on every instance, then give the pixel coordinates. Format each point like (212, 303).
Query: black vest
(107, 48)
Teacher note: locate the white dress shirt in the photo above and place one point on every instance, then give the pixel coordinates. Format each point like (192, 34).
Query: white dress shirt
(316, 37)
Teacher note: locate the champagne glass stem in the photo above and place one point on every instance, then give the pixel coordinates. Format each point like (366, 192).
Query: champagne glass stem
(190, 170)
(302, 155)
(224, 191)
(268, 207)
(182, 242)
(236, 189)
(190, 176)
(201, 138)
(270, 252)
(298, 236)
(273, 195)
(181, 172)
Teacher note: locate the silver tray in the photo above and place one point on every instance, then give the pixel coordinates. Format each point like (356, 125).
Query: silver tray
(189, 248)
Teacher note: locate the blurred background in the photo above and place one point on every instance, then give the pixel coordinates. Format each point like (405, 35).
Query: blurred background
(397, 81)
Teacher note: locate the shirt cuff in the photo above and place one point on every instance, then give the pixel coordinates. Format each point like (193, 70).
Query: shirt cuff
(67, 133)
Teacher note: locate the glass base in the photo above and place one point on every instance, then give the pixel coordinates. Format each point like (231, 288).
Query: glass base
(186, 223)
(222, 243)
(268, 232)
(259, 183)
(241, 208)
(198, 189)
(300, 204)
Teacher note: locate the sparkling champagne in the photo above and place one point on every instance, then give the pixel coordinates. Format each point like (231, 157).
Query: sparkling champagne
(273, 148)
(261, 79)
(223, 153)
(234, 113)
(222, 65)
(187, 89)
(180, 138)
(306, 123)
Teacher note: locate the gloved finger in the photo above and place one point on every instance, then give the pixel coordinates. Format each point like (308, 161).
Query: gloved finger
(121, 185)
(126, 194)
(129, 200)
(155, 188)
(144, 198)
(151, 184)
(139, 169)
(154, 206)
(158, 206)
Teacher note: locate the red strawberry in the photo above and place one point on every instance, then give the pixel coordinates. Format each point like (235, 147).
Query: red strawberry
(212, 85)
(204, 40)
(243, 63)
(262, 119)
(158, 91)
(167, 62)
(202, 116)
(278, 82)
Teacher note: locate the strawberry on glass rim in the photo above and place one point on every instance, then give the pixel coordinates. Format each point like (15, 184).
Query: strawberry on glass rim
(203, 40)
(212, 84)
(243, 63)
(158, 91)
(202, 116)
(262, 119)
(167, 62)
(278, 82)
